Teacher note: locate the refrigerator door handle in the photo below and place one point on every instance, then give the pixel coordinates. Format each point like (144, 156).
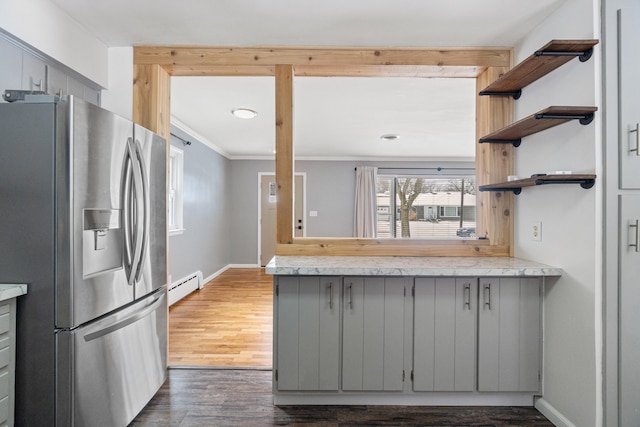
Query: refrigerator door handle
(127, 188)
(122, 323)
(144, 197)
(136, 213)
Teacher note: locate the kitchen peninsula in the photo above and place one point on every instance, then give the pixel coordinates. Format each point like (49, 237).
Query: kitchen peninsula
(407, 330)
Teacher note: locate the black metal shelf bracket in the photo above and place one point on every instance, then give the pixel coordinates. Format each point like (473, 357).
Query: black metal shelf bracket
(584, 183)
(515, 142)
(582, 56)
(584, 119)
(514, 93)
(515, 190)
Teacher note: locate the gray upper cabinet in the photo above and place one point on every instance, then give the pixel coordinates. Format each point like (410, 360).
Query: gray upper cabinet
(373, 333)
(308, 332)
(444, 334)
(629, 95)
(23, 69)
(509, 334)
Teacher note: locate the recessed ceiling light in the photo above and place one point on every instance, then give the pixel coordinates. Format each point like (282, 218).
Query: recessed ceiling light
(244, 113)
(390, 137)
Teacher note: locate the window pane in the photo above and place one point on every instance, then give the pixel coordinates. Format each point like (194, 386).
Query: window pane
(384, 189)
(427, 207)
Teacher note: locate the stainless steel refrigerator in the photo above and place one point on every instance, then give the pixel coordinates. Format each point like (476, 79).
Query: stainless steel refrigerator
(83, 223)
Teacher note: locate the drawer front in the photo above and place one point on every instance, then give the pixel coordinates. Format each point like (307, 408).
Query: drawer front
(5, 323)
(4, 384)
(5, 357)
(4, 410)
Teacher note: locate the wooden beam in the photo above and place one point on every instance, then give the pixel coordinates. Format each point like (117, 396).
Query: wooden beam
(284, 154)
(494, 163)
(419, 71)
(188, 56)
(388, 247)
(154, 65)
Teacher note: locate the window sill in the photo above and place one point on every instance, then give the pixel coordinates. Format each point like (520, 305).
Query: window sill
(176, 231)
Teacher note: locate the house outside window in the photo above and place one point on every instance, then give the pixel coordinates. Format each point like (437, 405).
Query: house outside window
(176, 165)
(422, 206)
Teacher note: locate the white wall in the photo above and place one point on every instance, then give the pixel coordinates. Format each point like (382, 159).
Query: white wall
(118, 95)
(570, 219)
(44, 26)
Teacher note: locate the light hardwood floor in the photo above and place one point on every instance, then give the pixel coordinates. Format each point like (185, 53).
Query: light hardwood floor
(227, 323)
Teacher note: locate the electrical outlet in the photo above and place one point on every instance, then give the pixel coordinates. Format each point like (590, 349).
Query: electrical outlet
(536, 231)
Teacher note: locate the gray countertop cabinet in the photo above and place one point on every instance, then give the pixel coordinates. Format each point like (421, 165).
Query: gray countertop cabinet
(509, 334)
(444, 334)
(308, 332)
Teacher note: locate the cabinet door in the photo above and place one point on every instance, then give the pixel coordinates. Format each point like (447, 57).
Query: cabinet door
(629, 94)
(56, 82)
(11, 69)
(629, 351)
(509, 334)
(444, 334)
(34, 73)
(373, 334)
(308, 331)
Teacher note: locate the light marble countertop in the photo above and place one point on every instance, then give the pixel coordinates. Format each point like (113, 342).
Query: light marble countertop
(8, 291)
(408, 266)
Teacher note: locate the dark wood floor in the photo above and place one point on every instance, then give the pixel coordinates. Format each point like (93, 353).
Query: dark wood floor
(209, 397)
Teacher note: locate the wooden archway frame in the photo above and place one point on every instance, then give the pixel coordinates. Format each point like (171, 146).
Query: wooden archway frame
(153, 67)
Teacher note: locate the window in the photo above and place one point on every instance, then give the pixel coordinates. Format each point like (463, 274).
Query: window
(176, 162)
(420, 206)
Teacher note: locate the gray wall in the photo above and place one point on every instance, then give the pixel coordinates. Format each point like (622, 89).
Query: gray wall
(243, 209)
(204, 245)
(330, 191)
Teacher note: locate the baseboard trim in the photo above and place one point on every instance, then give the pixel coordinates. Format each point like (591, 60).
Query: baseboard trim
(225, 268)
(552, 414)
(402, 399)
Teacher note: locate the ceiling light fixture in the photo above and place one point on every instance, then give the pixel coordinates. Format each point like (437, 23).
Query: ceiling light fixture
(244, 113)
(390, 137)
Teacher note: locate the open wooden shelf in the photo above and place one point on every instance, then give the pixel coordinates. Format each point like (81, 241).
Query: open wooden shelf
(542, 62)
(585, 181)
(543, 119)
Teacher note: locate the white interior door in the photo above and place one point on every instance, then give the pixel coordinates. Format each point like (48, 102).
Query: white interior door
(267, 220)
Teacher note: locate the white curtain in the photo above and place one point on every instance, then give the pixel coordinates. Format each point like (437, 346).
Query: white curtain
(365, 210)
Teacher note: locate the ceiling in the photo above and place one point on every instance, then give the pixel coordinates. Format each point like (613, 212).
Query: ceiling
(334, 117)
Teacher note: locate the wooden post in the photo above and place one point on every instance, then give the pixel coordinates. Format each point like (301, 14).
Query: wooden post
(284, 154)
(151, 98)
(494, 162)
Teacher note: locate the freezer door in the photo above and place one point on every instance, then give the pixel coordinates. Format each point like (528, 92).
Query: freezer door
(151, 155)
(108, 370)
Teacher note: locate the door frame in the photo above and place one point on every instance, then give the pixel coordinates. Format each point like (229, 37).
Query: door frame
(259, 219)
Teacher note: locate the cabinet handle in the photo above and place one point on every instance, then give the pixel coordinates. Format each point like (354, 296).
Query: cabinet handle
(467, 296)
(351, 296)
(487, 291)
(331, 295)
(636, 245)
(637, 131)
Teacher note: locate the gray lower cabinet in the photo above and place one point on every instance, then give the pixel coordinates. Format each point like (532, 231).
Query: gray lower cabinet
(7, 361)
(373, 333)
(444, 334)
(509, 334)
(354, 334)
(308, 332)
(629, 333)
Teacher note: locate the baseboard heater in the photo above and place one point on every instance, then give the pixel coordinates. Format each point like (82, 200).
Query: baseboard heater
(184, 286)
